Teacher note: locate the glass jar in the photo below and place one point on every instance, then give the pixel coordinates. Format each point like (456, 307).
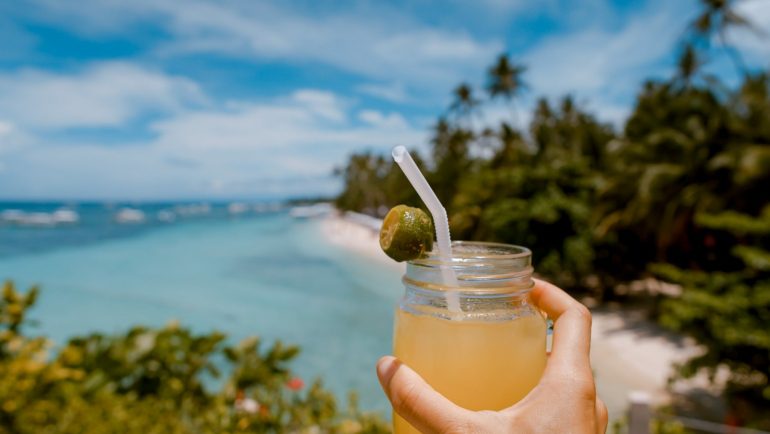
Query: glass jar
(490, 353)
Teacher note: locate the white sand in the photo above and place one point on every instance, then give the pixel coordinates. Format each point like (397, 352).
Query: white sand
(363, 240)
(628, 353)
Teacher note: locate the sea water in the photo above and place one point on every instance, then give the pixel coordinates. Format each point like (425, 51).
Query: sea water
(260, 274)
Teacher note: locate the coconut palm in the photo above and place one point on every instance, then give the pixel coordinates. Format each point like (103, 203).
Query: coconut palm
(464, 103)
(451, 149)
(505, 78)
(716, 18)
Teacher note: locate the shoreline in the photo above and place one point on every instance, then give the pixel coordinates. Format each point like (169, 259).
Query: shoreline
(628, 352)
(352, 232)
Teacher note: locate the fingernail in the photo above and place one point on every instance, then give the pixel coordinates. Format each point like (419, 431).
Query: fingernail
(386, 368)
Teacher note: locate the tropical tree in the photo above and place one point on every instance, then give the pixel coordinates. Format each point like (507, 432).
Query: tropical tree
(361, 179)
(450, 149)
(679, 194)
(157, 380)
(662, 176)
(715, 20)
(464, 103)
(688, 65)
(373, 184)
(504, 79)
(539, 193)
(727, 309)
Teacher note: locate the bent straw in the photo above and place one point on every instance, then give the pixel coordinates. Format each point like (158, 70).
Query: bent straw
(420, 184)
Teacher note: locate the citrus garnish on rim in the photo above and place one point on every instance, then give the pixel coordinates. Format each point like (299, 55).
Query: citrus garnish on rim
(407, 233)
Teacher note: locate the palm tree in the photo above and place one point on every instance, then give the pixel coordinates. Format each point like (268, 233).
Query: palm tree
(688, 65)
(715, 19)
(464, 102)
(504, 80)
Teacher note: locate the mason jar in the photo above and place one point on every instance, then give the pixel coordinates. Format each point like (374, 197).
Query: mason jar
(489, 353)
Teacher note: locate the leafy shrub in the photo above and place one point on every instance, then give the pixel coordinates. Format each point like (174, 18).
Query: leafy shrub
(158, 381)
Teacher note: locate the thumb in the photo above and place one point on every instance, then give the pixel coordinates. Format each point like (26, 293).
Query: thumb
(414, 400)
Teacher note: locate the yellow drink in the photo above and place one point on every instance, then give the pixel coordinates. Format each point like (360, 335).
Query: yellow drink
(478, 365)
(487, 357)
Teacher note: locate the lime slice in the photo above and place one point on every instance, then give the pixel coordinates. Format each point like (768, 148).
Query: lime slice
(407, 233)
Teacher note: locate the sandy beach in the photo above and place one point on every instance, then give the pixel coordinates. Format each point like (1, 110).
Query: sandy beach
(628, 353)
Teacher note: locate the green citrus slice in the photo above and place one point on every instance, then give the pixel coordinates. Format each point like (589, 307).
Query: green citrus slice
(407, 233)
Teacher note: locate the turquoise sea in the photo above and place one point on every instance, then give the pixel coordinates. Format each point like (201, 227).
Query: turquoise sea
(258, 273)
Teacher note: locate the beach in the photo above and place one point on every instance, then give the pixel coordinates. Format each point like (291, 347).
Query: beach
(628, 353)
(321, 283)
(267, 275)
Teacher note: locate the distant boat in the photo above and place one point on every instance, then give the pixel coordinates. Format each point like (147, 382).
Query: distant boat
(129, 216)
(65, 216)
(316, 210)
(236, 208)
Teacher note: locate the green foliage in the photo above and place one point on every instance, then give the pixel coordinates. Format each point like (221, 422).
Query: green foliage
(374, 184)
(657, 426)
(728, 311)
(683, 186)
(154, 381)
(735, 222)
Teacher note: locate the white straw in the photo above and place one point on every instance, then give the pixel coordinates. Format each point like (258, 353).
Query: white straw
(420, 184)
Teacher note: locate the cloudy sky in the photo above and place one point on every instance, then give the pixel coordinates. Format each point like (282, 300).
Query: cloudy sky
(162, 99)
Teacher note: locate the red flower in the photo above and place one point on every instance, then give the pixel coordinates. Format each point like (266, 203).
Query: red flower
(295, 384)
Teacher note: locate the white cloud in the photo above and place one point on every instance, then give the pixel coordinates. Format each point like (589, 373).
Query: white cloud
(105, 94)
(11, 138)
(290, 143)
(594, 61)
(394, 92)
(378, 42)
(308, 120)
(756, 45)
(286, 145)
(603, 65)
(5, 128)
(322, 103)
(377, 119)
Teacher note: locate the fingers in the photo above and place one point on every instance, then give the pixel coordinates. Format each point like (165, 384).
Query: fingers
(551, 299)
(571, 327)
(602, 417)
(414, 400)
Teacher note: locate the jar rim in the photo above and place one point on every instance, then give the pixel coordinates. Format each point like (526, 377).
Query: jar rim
(474, 252)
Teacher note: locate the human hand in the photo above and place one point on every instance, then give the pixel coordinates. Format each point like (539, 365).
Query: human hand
(564, 402)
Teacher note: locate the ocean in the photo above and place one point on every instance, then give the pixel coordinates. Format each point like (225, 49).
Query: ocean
(242, 272)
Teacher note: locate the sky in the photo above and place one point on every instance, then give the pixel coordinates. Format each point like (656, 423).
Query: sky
(241, 99)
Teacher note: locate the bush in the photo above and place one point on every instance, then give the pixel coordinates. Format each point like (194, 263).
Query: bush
(155, 381)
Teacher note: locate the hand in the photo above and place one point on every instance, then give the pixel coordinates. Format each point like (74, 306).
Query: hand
(564, 402)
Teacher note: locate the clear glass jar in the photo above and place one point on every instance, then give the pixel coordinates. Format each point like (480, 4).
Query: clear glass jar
(492, 352)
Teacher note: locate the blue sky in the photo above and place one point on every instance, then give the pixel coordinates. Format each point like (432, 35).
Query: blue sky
(161, 99)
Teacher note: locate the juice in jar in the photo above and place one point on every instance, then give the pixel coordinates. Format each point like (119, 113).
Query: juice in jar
(490, 355)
